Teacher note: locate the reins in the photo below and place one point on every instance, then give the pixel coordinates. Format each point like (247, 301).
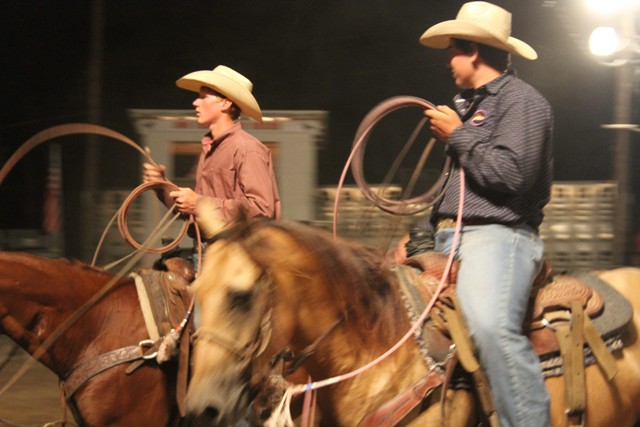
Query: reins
(298, 359)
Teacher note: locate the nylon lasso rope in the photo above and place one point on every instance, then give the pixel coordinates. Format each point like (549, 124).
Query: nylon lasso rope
(404, 206)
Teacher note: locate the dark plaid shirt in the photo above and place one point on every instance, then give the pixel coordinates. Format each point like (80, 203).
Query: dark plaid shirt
(504, 146)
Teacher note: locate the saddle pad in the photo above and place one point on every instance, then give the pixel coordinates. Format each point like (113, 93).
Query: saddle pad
(617, 312)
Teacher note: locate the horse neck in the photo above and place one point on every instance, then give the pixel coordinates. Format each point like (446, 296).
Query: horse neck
(344, 351)
(37, 304)
(336, 351)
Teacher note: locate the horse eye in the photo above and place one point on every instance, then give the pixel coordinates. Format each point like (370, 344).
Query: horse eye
(240, 300)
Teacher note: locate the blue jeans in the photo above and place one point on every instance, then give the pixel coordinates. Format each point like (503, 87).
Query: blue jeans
(498, 265)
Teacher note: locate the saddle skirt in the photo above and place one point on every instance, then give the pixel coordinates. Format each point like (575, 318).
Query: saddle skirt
(165, 299)
(552, 295)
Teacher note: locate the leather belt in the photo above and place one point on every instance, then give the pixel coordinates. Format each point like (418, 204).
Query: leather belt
(452, 223)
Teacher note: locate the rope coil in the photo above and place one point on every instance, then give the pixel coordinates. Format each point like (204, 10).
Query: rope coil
(122, 217)
(404, 206)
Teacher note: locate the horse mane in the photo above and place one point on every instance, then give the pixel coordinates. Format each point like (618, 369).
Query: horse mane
(366, 294)
(33, 261)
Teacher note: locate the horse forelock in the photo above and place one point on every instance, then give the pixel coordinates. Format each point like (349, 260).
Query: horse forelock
(361, 290)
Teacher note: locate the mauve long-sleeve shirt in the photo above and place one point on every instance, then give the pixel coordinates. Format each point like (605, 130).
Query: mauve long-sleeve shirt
(504, 146)
(237, 173)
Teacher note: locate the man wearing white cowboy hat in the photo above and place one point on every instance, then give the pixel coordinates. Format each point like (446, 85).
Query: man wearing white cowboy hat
(500, 134)
(234, 170)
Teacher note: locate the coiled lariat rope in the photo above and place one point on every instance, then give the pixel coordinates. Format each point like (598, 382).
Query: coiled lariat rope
(121, 217)
(85, 128)
(404, 206)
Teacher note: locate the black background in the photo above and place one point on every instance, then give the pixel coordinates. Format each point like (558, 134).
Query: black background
(341, 56)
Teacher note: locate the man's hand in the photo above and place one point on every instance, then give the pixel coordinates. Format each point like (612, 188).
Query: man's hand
(185, 200)
(443, 121)
(152, 173)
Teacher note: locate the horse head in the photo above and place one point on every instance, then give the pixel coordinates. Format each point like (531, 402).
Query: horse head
(272, 287)
(230, 290)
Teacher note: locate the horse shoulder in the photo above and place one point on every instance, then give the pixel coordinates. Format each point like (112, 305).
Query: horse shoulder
(460, 411)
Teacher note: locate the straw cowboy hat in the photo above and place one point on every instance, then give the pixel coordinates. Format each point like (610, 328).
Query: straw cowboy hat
(227, 82)
(479, 22)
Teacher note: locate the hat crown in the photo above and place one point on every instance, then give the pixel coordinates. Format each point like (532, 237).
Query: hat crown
(490, 17)
(479, 22)
(227, 82)
(235, 76)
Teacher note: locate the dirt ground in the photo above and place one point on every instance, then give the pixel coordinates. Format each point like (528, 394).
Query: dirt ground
(35, 398)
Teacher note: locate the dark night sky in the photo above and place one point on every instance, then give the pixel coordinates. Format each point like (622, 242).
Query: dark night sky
(341, 56)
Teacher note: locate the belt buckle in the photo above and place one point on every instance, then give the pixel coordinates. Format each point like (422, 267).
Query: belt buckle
(446, 223)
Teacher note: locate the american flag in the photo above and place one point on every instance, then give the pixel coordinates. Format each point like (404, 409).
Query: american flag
(52, 199)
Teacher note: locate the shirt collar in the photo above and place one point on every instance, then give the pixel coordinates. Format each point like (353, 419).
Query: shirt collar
(489, 88)
(208, 139)
(466, 100)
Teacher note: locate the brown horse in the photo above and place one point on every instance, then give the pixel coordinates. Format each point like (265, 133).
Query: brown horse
(37, 295)
(285, 286)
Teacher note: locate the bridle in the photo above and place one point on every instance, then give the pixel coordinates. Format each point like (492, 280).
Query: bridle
(247, 352)
(295, 360)
(244, 353)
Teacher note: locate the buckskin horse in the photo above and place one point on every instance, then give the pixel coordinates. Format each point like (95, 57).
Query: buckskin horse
(101, 358)
(273, 289)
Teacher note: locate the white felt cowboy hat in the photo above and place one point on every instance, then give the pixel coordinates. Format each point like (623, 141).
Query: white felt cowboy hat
(227, 82)
(479, 22)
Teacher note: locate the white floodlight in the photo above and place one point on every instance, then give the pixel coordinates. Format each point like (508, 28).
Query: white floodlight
(604, 41)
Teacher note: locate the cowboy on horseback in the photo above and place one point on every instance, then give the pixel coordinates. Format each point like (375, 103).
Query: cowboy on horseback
(500, 134)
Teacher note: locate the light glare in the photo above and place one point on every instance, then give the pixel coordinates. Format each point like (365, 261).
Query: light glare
(607, 6)
(603, 41)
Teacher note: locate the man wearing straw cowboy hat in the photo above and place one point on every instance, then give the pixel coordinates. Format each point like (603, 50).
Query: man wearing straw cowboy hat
(234, 170)
(500, 135)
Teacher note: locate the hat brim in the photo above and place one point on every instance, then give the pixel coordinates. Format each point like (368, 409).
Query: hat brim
(439, 35)
(226, 86)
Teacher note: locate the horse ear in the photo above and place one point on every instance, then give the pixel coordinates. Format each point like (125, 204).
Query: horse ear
(209, 217)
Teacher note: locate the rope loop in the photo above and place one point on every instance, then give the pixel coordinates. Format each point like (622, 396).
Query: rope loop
(404, 206)
(122, 217)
